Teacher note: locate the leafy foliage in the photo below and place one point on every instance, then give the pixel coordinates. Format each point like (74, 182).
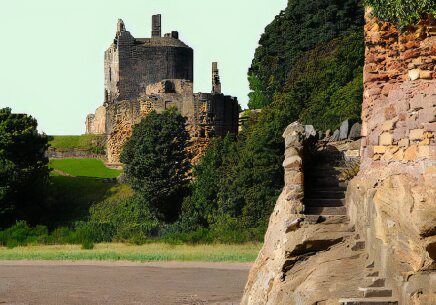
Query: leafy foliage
(24, 172)
(402, 12)
(298, 29)
(156, 161)
(128, 219)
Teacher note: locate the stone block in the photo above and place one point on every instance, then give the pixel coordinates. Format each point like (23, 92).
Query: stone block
(399, 155)
(389, 124)
(426, 116)
(291, 151)
(293, 129)
(335, 136)
(380, 149)
(414, 74)
(344, 129)
(404, 143)
(416, 134)
(385, 139)
(294, 163)
(425, 74)
(411, 153)
(293, 178)
(355, 132)
(309, 130)
(424, 152)
(390, 112)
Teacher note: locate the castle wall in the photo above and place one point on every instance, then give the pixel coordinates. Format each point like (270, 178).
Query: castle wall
(96, 123)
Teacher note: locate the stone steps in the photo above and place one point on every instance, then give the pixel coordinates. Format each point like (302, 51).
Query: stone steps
(325, 210)
(310, 194)
(375, 292)
(326, 219)
(376, 282)
(323, 202)
(373, 301)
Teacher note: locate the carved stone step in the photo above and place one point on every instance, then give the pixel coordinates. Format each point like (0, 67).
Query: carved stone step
(374, 301)
(310, 189)
(325, 211)
(375, 282)
(372, 274)
(326, 219)
(310, 194)
(374, 292)
(323, 202)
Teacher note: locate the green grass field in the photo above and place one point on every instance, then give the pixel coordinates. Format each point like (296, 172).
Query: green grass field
(143, 253)
(87, 142)
(84, 167)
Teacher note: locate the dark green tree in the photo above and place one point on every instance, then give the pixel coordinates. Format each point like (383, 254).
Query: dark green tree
(157, 163)
(24, 172)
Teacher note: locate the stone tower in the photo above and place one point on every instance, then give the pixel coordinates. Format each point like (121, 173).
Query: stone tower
(131, 64)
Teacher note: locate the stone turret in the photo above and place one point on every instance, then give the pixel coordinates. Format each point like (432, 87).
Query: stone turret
(156, 26)
(216, 83)
(121, 27)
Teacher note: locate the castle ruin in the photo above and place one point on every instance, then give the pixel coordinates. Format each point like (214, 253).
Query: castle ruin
(154, 74)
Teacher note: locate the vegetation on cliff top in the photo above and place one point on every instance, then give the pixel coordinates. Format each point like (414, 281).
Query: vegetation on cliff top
(276, 71)
(402, 12)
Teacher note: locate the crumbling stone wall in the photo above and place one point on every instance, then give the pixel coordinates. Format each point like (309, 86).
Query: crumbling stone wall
(399, 113)
(207, 115)
(96, 123)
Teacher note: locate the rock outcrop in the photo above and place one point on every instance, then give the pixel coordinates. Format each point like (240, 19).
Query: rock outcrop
(382, 248)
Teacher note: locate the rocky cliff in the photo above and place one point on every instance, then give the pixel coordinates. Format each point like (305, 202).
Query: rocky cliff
(378, 244)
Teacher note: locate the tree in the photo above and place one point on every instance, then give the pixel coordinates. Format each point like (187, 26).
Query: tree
(24, 172)
(157, 163)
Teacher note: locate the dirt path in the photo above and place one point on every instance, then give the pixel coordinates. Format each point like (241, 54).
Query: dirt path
(123, 283)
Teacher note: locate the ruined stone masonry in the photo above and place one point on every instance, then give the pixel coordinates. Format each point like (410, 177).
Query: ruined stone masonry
(375, 244)
(154, 74)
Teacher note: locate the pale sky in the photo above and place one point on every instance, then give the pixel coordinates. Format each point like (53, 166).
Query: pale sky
(51, 55)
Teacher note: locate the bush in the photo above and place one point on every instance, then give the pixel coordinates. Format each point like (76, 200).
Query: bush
(21, 234)
(129, 219)
(402, 12)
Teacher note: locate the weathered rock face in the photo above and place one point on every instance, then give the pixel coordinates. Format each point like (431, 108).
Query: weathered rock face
(383, 251)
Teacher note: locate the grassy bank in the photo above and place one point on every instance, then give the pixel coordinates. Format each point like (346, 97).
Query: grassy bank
(84, 167)
(87, 142)
(143, 253)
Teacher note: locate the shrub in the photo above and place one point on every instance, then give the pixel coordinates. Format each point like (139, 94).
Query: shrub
(402, 12)
(21, 234)
(129, 219)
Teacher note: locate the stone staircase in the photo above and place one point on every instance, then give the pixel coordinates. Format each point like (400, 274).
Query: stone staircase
(373, 290)
(324, 191)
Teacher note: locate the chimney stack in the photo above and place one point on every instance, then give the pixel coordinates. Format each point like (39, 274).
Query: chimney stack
(156, 26)
(216, 83)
